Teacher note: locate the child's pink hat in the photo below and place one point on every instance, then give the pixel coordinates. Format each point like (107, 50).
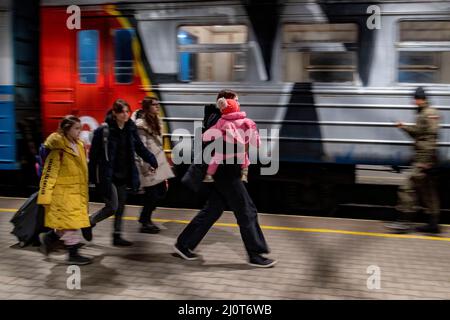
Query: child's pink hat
(232, 106)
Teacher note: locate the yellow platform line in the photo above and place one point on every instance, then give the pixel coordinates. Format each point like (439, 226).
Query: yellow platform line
(281, 228)
(8, 210)
(294, 229)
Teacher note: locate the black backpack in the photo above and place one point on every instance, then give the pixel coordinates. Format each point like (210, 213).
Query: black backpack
(105, 136)
(196, 172)
(211, 116)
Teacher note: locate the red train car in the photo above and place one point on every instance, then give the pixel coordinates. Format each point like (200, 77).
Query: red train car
(84, 70)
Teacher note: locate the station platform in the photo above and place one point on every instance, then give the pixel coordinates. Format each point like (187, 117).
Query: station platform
(318, 258)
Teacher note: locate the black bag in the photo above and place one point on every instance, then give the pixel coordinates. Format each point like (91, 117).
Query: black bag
(194, 176)
(28, 222)
(211, 116)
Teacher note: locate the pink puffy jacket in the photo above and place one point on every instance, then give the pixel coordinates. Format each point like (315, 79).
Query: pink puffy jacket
(234, 128)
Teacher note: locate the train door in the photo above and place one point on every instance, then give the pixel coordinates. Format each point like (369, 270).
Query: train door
(108, 59)
(84, 71)
(125, 61)
(91, 74)
(57, 56)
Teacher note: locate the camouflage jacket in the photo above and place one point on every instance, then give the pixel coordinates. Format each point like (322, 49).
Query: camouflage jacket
(425, 134)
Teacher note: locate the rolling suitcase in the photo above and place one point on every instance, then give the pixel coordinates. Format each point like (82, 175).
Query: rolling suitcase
(28, 222)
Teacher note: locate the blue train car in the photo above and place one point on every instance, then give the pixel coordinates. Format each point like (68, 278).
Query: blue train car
(19, 90)
(7, 115)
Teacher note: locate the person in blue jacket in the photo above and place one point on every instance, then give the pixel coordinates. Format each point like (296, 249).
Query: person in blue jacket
(112, 166)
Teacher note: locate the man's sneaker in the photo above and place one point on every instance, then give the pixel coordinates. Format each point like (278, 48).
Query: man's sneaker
(261, 262)
(208, 178)
(399, 227)
(185, 253)
(149, 228)
(429, 228)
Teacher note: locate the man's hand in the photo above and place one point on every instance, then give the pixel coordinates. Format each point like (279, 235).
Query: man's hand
(399, 124)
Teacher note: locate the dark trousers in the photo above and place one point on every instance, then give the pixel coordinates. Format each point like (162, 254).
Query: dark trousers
(151, 197)
(114, 204)
(228, 189)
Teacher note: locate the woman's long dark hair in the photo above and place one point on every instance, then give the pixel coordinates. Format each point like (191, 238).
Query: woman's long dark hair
(151, 119)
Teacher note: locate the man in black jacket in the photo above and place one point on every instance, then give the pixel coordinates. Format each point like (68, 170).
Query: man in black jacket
(227, 189)
(112, 166)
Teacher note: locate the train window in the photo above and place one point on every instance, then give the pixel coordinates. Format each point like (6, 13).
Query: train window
(418, 67)
(320, 52)
(212, 53)
(88, 56)
(425, 31)
(123, 56)
(424, 52)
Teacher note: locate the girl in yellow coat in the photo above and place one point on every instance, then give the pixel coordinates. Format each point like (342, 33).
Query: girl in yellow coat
(64, 189)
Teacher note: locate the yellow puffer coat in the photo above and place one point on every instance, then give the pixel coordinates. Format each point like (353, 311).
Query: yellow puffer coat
(64, 185)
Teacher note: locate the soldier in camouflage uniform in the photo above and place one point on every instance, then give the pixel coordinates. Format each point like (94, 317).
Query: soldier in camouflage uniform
(422, 181)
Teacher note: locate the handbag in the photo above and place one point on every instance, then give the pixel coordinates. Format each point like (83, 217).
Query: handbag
(194, 176)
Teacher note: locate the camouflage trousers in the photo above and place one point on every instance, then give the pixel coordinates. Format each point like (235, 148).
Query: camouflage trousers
(421, 186)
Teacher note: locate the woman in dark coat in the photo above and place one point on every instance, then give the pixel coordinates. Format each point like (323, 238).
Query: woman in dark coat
(112, 166)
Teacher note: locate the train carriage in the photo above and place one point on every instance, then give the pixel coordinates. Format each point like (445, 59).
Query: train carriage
(326, 79)
(7, 119)
(19, 88)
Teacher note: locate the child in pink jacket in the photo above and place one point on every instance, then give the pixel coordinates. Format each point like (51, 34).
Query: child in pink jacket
(234, 127)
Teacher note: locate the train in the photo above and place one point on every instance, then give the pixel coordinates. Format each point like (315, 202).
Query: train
(326, 79)
(20, 130)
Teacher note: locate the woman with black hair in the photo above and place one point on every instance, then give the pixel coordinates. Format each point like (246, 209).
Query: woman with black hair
(112, 166)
